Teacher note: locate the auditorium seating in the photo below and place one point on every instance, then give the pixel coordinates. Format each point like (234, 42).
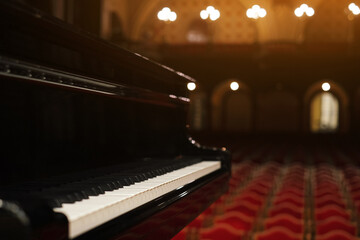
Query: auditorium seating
(279, 195)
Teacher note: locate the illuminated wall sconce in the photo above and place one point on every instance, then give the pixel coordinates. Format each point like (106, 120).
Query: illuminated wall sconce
(191, 86)
(325, 86)
(304, 9)
(234, 86)
(166, 14)
(354, 8)
(210, 12)
(256, 12)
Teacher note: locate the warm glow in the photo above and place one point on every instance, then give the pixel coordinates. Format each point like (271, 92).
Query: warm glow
(166, 15)
(204, 14)
(172, 16)
(298, 12)
(304, 9)
(256, 12)
(325, 86)
(211, 13)
(191, 86)
(310, 12)
(210, 9)
(215, 15)
(354, 8)
(234, 86)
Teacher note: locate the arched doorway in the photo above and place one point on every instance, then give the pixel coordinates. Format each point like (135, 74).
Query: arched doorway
(324, 113)
(237, 111)
(232, 110)
(326, 110)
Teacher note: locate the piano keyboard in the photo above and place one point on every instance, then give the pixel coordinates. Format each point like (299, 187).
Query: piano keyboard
(89, 213)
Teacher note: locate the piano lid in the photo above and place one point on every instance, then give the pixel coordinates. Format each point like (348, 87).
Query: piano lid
(33, 36)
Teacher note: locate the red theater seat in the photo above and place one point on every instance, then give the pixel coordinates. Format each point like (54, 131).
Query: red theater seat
(277, 233)
(221, 231)
(249, 197)
(289, 222)
(290, 198)
(337, 223)
(237, 220)
(287, 208)
(244, 207)
(336, 235)
(330, 211)
(329, 200)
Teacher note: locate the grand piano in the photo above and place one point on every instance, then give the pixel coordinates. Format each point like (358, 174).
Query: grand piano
(94, 138)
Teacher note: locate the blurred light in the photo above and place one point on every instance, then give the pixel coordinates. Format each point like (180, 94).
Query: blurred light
(304, 8)
(354, 8)
(191, 86)
(298, 12)
(356, 11)
(262, 12)
(325, 86)
(310, 12)
(250, 13)
(204, 14)
(234, 86)
(210, 9)
(215, 15)
(166, 14)
(255, 12)
(210, 12)
(256, 7)
(172, 16)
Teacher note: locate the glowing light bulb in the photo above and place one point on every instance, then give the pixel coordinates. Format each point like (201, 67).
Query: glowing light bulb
(210, 12)
(191, 86)
(356, 10)
(256, 12)
(303, 7)
(215, 15)
(234, 86)
(161, 15)
(325, 86)
(210, 9)
(352, 6)
(166, 15)
(256, 7)
(204, 14)
(262, 12)
(250, 13)
(310, 12)
(172, 16)
(298, 12)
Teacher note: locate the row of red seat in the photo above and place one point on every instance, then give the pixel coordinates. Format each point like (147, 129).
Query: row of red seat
(272, 197)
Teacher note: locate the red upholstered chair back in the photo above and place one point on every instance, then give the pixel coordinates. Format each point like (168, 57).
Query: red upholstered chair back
(337, 223)
(237, 220)
(336, 235)
(277, 233)
(293, 224)
(330, 211)
(221, 231)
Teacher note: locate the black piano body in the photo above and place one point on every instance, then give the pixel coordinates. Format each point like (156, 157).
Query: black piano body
(74, 107)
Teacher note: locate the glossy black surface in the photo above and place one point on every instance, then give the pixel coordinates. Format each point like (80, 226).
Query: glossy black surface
(81, 116)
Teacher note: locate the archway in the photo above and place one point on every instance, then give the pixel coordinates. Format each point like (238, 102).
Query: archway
(324, 113)
(232, 109)
(313, 98)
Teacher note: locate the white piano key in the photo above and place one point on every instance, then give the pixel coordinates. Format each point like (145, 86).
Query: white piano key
(89, 213)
